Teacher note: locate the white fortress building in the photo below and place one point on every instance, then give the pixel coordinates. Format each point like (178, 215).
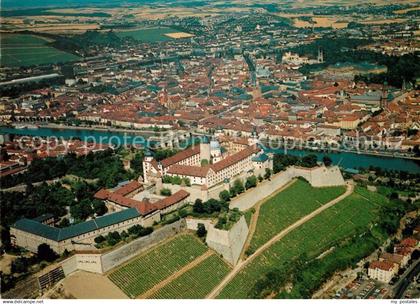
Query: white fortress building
(209, 165)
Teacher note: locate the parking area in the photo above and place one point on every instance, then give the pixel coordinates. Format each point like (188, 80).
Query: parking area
(363, 288)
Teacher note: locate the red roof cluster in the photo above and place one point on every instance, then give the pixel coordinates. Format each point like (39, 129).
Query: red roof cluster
(128, 188)
(144, 207)
(383, 265)
(181, 156)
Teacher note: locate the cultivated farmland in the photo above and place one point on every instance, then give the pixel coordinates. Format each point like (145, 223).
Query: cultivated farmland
(287, 207)
(150, 268)
(197, 282)
(344, 219)
(26, 50)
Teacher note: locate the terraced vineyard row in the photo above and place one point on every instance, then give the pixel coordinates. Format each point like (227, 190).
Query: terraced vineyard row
(312, 238)
(197, 282)
(287, 207)
(143, 273)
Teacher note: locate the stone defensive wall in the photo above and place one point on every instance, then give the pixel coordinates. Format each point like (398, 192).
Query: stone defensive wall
(228, 243)
(103, 262)
(318, 177)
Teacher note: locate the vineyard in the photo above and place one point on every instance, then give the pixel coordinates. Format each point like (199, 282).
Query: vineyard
(197, 282)
(26, 50)
(150, 268)
(287, 207)
(344, 219)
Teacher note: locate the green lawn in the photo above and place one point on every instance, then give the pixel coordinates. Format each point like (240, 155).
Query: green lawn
(148, 34)
(197, 282)
(26, 50)
(143, 273)
(287, 207)
(345, 219)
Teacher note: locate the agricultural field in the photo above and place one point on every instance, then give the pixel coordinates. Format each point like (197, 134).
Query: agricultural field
(287, 207)
(26, 50)
(149, 34)
(197, 282)
(150, 268)
(347, 218)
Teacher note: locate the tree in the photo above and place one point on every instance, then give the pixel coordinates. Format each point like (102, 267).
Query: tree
(20, 265)
(221, 222)
(309, 161)
(415, 255)
(260, 178)
(201, 230)
(99, 239)
(166, 179)
(182, 213)
(166, 192)
(186, 181)
(176, 180)
(136, 163)
(82, 210)
(251, 182)
(213, 205)
(224, 195)
(135, 230)
(267, 173)
(45, 253)
(99, 207)
(232, 192)
(3, 154)
(198, 206)
(113, 238)
(64, 223)
(327, 161)
(238, 186)
(204, 162)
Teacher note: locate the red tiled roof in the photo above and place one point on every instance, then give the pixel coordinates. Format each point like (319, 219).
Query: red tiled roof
(189, 170)
(171, 200)
(181, 156)
(143, 207)
(409, 242)
(102, 194)
(394, 258)
(405, 251)
(230, 160)
(383, 265)
(128, 188)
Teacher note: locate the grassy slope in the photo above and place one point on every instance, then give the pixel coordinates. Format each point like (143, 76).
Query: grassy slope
(197, 282)
(312, 238)
(141, 274)
(288, 206)
(25, 50)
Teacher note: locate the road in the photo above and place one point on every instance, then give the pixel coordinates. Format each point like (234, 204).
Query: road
(22, 187)
(215, 292)
(405, 279)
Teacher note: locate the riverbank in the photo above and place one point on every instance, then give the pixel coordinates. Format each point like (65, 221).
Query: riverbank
(362, 152)
(345, 159)
(151, 133)
(93, 128)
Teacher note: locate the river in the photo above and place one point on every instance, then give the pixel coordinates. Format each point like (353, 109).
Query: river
(343, 159)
